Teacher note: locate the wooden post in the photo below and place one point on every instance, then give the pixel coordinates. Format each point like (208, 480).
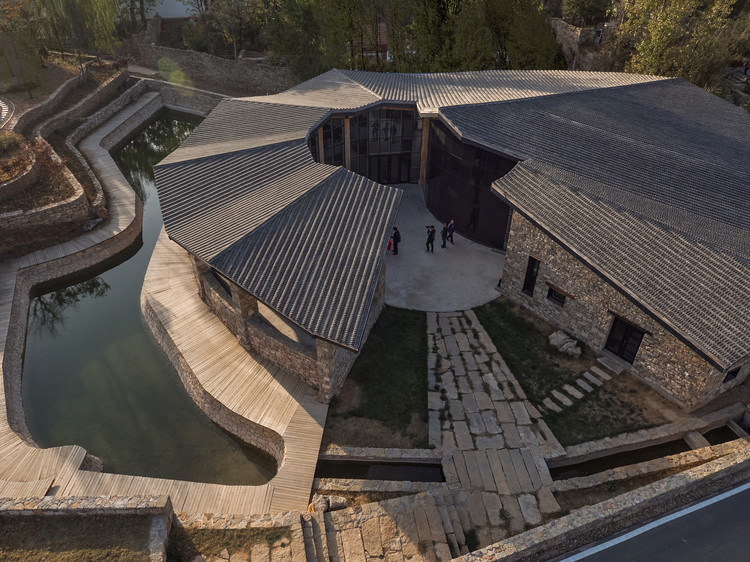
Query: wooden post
(347, 144)
(424, 152)
(321, 152)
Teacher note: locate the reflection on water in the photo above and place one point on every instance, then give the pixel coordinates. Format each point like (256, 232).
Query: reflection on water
(47, 312)
(94, 376)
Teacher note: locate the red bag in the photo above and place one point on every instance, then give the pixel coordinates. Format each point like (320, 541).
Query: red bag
(389, 244)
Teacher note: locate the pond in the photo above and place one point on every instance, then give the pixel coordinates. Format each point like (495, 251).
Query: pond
(94, 375)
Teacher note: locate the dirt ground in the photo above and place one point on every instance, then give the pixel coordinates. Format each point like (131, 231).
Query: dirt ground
(47, 80)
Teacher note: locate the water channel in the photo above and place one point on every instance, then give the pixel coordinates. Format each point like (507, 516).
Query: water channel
(94, 375)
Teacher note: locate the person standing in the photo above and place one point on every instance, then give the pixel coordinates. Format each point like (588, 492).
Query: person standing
(444, 234)
(431, 238)
(396, 237)
(451, 230)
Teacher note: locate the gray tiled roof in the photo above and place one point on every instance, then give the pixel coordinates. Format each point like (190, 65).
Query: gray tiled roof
(670, 158)
(695, 289)
(433, 91)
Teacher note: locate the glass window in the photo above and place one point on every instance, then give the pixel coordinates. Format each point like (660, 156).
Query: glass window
(731, 375)
(556, 297)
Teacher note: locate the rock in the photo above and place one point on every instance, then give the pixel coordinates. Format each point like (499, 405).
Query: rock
(91, 224)
(336, 502)
(564, 343)
(319, 504)
(224, 554)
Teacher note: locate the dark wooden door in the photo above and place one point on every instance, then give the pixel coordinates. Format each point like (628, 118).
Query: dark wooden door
(624, 340)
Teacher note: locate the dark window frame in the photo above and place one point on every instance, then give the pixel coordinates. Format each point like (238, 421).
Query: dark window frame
(556, 297)
(624, 339)
(529, 280)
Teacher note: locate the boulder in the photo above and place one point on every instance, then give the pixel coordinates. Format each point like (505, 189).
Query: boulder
(564, 343)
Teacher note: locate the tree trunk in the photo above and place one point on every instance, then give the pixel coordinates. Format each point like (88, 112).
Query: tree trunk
(142, 9)
(132, 16)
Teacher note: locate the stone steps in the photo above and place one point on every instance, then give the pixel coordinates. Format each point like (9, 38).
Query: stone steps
(566, 396)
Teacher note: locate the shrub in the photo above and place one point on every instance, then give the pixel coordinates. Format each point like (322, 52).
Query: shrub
(9, 141)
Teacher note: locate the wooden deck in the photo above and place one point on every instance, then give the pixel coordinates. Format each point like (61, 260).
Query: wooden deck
(251, 388)
(248, 386)
(24, 468)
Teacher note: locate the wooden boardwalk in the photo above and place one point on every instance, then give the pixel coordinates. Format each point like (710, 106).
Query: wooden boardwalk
(250, 387)
(23, 467)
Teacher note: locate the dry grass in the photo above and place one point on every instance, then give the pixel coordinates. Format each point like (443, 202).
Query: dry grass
(52, 187)
(74, 539)
(384, 400)
(187, 544)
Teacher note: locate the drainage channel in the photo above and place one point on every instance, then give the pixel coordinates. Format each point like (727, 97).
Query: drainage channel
(717, 436)
(369, 470)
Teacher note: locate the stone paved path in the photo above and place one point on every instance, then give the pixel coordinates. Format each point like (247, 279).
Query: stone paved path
(493, 440)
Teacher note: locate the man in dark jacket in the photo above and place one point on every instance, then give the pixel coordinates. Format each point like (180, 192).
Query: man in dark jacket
(444, 234)
(451, 230)
(396, 237)
(430, 238)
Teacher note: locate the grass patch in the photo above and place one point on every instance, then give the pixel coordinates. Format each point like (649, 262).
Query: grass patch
(622, 405)
(187, 544)
(521, 339)
(74, 539)
(384, 400)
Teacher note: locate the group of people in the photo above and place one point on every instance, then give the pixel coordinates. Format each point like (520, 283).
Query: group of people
(446, 234)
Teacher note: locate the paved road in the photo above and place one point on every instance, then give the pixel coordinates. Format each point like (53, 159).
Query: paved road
(717, 529)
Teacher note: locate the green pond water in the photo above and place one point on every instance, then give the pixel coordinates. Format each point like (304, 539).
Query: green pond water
(94, 375)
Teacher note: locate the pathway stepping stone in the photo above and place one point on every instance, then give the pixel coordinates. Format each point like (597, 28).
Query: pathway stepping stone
(484, 402)
(611, 364)
(476, 423)
(511, 435)
(463, 342)
(572, 391)
(504, 413)
(592, 379)
(463, 436)
(524, 480)
(530, 509)
(584, 385)
(599, 373)
(457, 410)
(561, 398)
(488, 481)
(551, 406)
(492, 442)
(470, 403)
(497, 472)
(490, 422)
(450, 345)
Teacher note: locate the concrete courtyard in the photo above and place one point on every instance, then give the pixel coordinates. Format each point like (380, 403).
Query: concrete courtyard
(459, 277)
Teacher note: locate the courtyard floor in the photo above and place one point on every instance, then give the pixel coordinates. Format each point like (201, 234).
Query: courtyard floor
(459, 277)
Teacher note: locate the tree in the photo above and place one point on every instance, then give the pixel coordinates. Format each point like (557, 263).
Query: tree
(586, 11)
(694, 39)
(295, 36)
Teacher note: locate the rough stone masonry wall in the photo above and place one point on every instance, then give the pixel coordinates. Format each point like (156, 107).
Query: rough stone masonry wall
(252, 77)
(323, 367)
(663, 362)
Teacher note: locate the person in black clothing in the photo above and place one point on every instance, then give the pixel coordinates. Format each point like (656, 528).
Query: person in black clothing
(430, 238)
(396, 237)
(444, 234)
(451, 230)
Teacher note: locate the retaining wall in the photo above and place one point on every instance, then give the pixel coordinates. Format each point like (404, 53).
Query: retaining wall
(16, 185)
(253, 78)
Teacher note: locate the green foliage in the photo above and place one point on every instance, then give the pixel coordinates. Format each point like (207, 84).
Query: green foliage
(586, 11)
(694, 39)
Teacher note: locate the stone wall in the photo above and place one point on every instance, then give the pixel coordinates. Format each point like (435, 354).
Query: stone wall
(80, 111)
(664, 362)
(22, 181)
(578, 56)
(23, 122)
(58, 219)
(323, 366)
(251, 77)
(53, 506)
(261, 437)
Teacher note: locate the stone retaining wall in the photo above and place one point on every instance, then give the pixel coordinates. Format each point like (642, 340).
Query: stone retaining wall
(16, 185)
(686, 459)
(663, 362)
(262, 437)
(647, 437)
(254, 78)
(589, 524)
(84, 506)
(48, 107)
(337, 452)
(83, 108)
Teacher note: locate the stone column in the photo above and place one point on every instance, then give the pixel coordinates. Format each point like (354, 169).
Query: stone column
(199, 269)
(246, 306)
(347, 144)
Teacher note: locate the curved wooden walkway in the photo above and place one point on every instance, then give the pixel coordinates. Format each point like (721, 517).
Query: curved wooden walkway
(252, 388)
(249, 388)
